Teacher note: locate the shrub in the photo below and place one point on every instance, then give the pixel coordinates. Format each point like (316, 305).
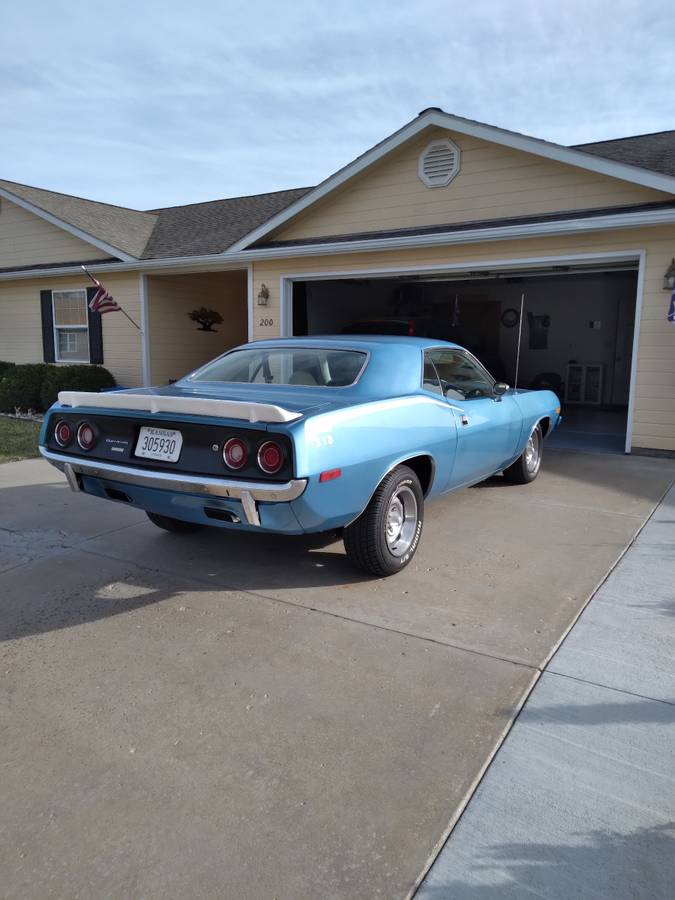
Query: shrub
(5, 367)
(21, 387)
(73, 378)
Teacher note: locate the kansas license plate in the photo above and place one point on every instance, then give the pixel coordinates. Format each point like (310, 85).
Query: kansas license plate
(159, 443)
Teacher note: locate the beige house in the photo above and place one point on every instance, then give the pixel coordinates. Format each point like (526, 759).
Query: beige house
(445, 228)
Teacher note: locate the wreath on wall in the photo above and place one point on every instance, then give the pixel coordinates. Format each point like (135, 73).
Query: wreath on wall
(206, 318)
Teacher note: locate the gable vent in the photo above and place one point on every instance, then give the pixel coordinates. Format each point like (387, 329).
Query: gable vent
(439, 163)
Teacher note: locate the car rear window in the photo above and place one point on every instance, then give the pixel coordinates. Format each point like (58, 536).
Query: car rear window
(304, 366)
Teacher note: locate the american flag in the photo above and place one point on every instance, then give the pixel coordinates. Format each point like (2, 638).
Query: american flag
(671, 310)
(102, 302)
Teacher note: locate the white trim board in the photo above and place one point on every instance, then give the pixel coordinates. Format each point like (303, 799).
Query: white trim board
(146, 359)
(492, 265)
(436, 118)
(65, 226)
(250, 312)
(634, 354)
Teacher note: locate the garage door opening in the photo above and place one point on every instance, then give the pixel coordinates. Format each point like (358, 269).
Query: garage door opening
(577, 331)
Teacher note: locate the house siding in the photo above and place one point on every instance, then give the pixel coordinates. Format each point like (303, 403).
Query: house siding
(21, 331)
(493, 182)
(176, 345)
(26, 239)
(654, 414)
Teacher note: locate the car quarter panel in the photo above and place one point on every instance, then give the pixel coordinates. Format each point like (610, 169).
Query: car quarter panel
(365, 442)
(535, 406)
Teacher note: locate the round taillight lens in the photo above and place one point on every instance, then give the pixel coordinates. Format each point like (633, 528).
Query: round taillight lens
(235, 453)
(270, 457)
(86, 436)
(63, 433)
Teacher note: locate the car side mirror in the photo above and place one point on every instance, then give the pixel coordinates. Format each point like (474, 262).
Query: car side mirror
(499, 388)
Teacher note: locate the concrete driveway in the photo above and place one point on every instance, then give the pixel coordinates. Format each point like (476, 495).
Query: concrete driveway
(217, 715)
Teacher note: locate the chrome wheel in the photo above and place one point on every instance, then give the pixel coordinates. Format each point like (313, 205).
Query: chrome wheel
(533, 452)
(401, 521)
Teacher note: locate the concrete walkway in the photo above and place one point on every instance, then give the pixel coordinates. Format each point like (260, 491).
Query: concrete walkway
(580, 800)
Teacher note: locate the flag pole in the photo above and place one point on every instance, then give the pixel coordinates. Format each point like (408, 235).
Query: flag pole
(98, 284)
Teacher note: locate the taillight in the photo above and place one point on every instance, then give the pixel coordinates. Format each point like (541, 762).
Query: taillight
(235, 453)
(86, 436)
(270, 457)
(63, 433)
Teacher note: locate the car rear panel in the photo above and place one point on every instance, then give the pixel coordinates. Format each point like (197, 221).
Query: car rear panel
(117, 437)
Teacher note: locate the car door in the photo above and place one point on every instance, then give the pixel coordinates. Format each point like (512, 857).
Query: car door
(488, 425)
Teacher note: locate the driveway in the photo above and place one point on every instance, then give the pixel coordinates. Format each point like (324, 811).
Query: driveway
(234, 716)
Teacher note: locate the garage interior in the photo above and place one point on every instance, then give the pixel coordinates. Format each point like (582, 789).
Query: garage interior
(577, 331)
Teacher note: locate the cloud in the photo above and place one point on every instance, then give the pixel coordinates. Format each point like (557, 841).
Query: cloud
(161, 103)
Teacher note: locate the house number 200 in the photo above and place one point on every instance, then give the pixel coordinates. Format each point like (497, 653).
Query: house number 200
(266, 322)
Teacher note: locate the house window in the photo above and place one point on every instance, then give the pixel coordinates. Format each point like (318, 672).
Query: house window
(71, 330)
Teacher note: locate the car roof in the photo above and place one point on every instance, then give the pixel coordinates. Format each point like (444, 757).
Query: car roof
(350, 342)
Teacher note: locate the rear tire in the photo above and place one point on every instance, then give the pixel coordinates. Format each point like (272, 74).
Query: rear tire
(526, 468)
(384, 538)
(177, 526)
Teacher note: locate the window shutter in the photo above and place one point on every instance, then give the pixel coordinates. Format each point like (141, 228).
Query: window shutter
(95, 331)
(47, 326)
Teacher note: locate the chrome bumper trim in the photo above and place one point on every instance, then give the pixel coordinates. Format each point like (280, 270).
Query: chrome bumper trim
(249, 492)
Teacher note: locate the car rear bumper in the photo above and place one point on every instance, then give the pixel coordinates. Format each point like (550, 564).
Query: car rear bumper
(248, 493)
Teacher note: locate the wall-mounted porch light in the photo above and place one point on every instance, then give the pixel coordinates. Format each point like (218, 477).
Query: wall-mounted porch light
(264, 295)
(669, 277)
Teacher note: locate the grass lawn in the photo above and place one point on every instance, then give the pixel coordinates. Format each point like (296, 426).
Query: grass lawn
(18, 439)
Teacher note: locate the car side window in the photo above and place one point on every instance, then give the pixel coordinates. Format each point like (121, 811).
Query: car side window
(430, 379)
(461, 377)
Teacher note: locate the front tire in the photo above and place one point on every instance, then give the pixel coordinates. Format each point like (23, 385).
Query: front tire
(526, 468)
(384, 538)
(177, 526)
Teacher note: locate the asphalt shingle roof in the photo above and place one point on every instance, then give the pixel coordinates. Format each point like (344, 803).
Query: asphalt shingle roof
(655, 152)
(126, 229)
(212, 227)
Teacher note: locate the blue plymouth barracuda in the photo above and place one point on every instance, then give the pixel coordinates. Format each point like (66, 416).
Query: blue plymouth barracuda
(302, 435)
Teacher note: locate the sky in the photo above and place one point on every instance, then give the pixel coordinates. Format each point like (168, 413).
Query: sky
(148, 104)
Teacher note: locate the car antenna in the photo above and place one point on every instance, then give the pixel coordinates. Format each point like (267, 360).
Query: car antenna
(520, 334)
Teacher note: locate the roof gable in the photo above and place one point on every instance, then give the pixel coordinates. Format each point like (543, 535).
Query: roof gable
(457, 126)
(27, 241)
(116, 230)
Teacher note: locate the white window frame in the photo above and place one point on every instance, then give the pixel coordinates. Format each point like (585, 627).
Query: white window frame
(56, 328)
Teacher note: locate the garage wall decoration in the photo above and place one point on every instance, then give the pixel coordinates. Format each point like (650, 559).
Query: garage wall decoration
(538, 327)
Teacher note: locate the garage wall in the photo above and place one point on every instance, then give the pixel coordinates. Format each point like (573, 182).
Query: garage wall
(493, 182)
(21, 323)
(654, 420)
(26, 239)
(177, 346)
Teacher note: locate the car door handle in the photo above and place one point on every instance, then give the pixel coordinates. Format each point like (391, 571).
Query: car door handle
(464, 419)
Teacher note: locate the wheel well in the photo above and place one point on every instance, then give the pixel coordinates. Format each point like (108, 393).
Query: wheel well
(545, 425)
(423, 467)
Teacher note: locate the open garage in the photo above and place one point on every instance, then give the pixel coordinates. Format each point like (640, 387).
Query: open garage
(577, 333)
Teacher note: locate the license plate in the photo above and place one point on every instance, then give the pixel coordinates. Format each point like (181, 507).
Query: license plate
(159, 443)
